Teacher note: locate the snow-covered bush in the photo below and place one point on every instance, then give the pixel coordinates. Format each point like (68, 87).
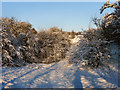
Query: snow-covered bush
(91, 53)
(110, 23)
(29, 46)
(95, 49)
(94, 34)
(16, 27)
(19, 42)
(54, 46)
(9, 52)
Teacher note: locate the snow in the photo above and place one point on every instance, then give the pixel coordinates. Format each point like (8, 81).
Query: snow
(60, 75)
(77, 38)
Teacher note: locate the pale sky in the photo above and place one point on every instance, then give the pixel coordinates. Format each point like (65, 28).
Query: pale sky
(67, 15)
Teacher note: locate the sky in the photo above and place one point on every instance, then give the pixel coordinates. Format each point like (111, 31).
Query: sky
(43, 15)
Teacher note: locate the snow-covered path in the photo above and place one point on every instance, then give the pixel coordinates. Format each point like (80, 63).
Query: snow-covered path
(59, 75)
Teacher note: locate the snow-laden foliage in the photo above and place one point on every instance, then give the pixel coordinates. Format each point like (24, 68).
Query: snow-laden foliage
(110, 23)
(94, 34)
(22, 44)
(16, 27)
(31, 47)
(93, 50)
(9, 52)
(54, 46)
(91, 53)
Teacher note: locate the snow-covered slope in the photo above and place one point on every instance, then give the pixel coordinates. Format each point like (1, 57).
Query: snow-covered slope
(60, 75)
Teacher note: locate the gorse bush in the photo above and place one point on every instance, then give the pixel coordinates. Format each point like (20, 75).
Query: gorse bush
(110, 23)
(17, 51)
(54, 29)
(22, 44)
(93, 49)
(91, 53)
(94, 34)
(96, 46)
(54, 45)
(16, 27)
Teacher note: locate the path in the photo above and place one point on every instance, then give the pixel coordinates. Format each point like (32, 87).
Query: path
(59, 75)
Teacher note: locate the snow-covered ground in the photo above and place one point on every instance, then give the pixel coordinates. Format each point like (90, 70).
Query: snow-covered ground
(60, 75)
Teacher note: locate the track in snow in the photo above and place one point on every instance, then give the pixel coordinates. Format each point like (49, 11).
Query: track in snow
(59, 75)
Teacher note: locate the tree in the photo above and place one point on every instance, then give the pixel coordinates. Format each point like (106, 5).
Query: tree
(110, 23)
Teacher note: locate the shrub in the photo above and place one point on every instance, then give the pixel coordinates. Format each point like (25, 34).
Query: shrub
(54, 29)
(16, 46)
(54, 46)
(30, 46)
(110, 23)
(16, 27)
(73, 34)
(94, 34)
(91, 53)
(96, 45)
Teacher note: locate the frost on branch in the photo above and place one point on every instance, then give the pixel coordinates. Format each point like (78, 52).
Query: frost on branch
(111, 22)
(21, 44)
(91, 53)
